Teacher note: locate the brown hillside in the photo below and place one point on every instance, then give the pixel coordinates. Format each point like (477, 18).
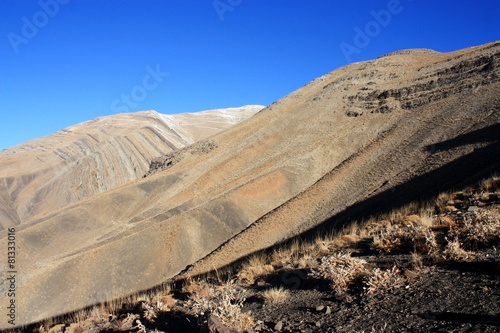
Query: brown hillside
(46, 174)
(360, 138)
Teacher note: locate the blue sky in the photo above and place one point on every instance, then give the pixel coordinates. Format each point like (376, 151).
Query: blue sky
(67, 61)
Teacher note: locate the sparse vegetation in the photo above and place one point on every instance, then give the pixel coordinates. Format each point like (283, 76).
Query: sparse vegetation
(380, 280)
(453, 250)
(405, 236)
(275, 295)
(225, 302)
(420, 235)
(254, 268)
(478, 229)
(341, 269)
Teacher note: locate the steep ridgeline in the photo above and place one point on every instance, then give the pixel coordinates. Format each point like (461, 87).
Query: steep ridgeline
(46, 174)
(363, 137)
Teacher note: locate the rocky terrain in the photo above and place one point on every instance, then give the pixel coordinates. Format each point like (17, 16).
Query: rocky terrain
(426, 267)
(366, 138)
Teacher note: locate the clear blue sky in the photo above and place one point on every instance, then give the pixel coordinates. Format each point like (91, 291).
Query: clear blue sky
(66, 61)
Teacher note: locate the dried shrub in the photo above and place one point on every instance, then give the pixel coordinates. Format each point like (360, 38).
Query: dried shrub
(341, 269)
(454, 251)
(254, 268)
(478, 229)
(275, 295)
(491, 184)
(408, 236)
(150, 312)
(226, 303)
(381, 280)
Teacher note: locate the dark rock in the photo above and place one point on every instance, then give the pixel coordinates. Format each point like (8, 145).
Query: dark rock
(353, 114)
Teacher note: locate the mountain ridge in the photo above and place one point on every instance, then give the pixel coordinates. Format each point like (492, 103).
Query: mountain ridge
(82, 160)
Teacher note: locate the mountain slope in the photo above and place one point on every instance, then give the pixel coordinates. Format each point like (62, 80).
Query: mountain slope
(400, 126)
(46, 174)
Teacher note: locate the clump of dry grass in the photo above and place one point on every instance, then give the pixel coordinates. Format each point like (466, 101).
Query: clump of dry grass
(380, 280)
(477, 229)
(453, 251)
(226, 303)
(341, 269)
(427, 217)
(281, 257)
(275, 295)
(303, 261)
(416, 260)
(254, 268)
(406, 236)
(491, 184)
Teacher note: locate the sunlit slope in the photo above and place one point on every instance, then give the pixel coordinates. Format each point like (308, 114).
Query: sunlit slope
(48, 173)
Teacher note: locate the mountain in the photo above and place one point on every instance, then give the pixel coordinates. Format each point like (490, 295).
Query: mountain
(46, 174)
(359, 139)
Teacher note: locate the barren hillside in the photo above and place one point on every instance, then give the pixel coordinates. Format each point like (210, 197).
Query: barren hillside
(367, 135)
(48, 173)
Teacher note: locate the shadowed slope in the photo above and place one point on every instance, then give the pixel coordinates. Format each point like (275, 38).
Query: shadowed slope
(346, 137)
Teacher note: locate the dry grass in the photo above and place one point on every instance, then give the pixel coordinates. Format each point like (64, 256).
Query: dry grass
(226, 303)
(405, 237)
(416, 260)
(280, 257)
(254, 268)
(275, 295)
(491, 184)
(454, 251)
(478, 229)
(304, 261)
(443, 200)
(427, 217)
(341, 269)
(381, 280)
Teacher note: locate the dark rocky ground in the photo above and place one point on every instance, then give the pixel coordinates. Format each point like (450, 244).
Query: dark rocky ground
(434, 295)
(447, 296)
(452, 297)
